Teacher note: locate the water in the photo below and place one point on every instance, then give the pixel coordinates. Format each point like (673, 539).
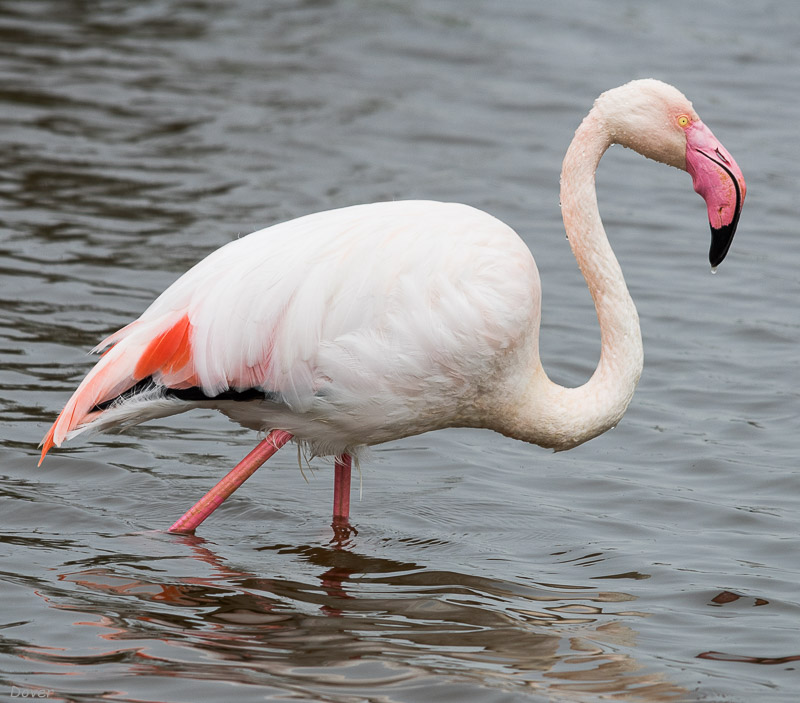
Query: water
(656, 563)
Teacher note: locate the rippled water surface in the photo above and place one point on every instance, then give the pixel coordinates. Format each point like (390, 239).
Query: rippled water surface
(656, 563)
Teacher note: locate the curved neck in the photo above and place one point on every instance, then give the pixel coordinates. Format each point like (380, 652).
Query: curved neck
(557, 417)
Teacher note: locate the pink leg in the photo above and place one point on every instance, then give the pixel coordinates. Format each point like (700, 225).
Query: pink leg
(341, 489)
(235, 478)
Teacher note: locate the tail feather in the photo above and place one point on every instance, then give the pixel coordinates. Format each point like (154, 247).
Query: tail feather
(47, 443)
(112, 339)
(160, 349)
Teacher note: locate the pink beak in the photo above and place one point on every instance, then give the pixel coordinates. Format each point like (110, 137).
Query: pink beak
(715, 176)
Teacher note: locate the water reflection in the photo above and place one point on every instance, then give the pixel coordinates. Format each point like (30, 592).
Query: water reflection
(358, 609)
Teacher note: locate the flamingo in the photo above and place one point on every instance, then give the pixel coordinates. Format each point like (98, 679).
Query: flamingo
(370, 323)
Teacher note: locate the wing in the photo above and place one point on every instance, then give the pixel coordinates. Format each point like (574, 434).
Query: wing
(320, 302)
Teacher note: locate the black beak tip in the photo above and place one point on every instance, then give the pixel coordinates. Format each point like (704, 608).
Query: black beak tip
(721, 239)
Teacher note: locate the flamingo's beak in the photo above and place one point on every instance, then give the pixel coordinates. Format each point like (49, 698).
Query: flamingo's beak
(717, 177)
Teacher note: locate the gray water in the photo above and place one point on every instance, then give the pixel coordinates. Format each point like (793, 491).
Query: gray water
(658, 562)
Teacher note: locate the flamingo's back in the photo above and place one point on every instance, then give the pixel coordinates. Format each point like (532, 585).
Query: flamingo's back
(348, 326)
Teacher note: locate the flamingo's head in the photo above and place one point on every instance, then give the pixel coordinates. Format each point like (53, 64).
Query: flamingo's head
(658, 121)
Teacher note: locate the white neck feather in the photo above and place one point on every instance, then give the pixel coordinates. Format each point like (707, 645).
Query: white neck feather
(549, 414)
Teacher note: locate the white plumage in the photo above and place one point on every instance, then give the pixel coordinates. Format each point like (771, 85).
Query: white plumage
(361, 324)
(370, 323)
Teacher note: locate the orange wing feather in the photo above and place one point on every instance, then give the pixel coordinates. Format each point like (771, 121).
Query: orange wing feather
(168, 353)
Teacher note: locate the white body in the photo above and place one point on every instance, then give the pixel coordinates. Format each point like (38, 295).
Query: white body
(378, 322)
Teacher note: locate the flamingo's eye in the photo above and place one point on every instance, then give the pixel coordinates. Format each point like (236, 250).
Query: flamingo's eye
(683, 120)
